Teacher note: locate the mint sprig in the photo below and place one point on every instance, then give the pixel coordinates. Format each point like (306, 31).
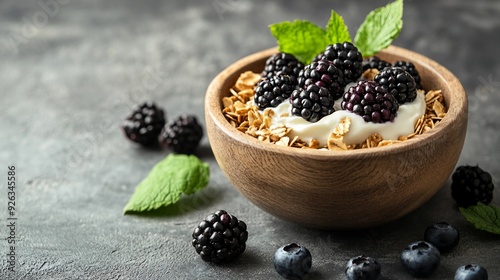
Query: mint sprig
(483, 217)
(301, 38)
(305, 40)
(336, 30)
(167, 181)
(379, 28)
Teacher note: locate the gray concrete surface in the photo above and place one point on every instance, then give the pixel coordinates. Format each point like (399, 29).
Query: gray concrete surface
(70, 72)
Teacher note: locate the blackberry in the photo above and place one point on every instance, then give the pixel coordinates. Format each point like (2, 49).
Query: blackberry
(470, 185)
(398, 82)
(323, 73)
(271, 91)
(144, 124)
(312, 103)
(283, 63)
(182, 135)
(410, 68)
(220, 237)
(371, 101)
(375, 62)
(346, 57)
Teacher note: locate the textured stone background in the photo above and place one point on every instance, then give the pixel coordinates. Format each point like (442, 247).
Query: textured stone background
(70, 74)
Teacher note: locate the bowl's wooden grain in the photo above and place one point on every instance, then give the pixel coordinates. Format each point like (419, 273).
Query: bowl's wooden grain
(340, 189)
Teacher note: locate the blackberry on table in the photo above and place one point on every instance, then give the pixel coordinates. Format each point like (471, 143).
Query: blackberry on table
(323, 73)
(182, 135)
(470, 185)
(375, 62)
(399, 83)
(371, 101)
(144, 124)
(271, 91)
(220, 237)
(312, 103)
(410, 68)
(283, 63)
(346, 57)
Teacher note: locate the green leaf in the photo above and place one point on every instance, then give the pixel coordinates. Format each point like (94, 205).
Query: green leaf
(336, 30)
(167, 181)
(484, 217)
(301, 38)
(379, 28)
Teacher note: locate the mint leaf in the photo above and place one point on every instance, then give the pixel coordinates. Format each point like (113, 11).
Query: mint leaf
(167, 181)
(301, 38)
(379, 29)
(484, 217)
(336, 30)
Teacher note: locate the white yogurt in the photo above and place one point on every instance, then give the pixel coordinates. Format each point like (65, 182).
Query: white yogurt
(403, 123)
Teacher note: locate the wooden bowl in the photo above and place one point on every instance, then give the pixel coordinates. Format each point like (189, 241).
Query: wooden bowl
(340, 189)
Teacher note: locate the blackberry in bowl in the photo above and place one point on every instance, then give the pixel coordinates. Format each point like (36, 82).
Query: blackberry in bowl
(332, 189)
(283, 63)
(371, 101)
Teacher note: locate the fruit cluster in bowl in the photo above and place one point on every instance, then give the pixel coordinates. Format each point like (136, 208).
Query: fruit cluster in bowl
(325, 90)
(339, 101)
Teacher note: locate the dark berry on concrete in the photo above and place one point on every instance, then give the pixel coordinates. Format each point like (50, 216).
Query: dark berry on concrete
(144, 123)
(442, 235)
(283, 63)
(220, 237)
(470, 185)
(420, 259)
(272, 91)
(181, 135)
(346, 57)
(375, 62)
(410, 68)
(323, 73)
(399, 83)
(371, 101)
(471, 272)
(292, 261)
(362, 268)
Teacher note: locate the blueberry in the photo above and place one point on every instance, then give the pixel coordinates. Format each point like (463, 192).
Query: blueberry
(362, 268)
(420, 258)
(471, 272)
(442, 235)
(292, 261)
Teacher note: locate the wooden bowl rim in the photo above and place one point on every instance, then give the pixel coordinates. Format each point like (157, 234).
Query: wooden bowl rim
(213, 107)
